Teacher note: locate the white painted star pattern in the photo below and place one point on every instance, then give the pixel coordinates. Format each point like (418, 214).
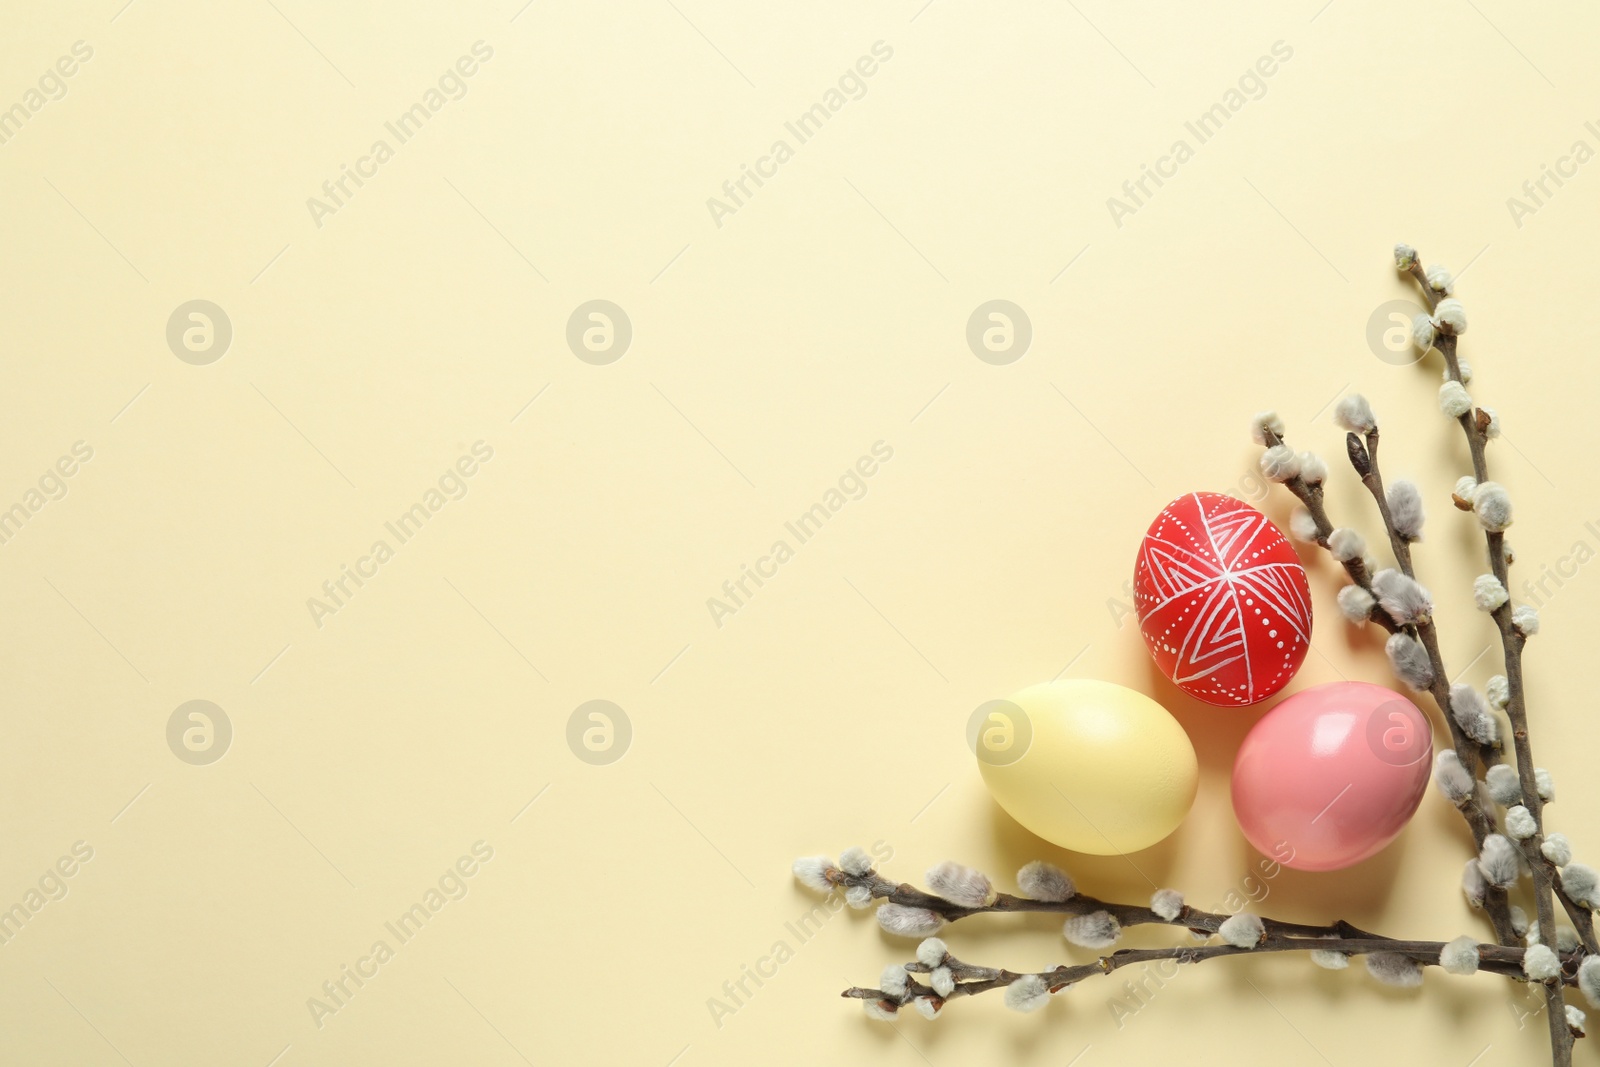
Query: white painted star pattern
(1223, 601)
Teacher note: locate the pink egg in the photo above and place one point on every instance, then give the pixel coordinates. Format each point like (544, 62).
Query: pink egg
(1332, 775)
(1223, 602)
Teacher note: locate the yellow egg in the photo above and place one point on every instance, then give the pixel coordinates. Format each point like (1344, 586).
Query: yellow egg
(1089, 766)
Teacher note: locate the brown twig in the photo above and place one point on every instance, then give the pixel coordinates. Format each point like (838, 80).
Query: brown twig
(1503, 960)
(1474, 426)
(1311, 496)
(966, 979)
(1512, 642)
(1363, 452)
(1364, 458)
(1545, 883)
(1188, 918)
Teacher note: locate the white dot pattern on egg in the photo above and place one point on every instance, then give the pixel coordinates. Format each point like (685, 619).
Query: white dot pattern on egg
(1223, 601)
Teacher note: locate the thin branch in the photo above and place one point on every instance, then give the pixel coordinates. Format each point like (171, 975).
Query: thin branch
(970, 980)
(1475, 428)
(1311, 496)
(1468, 750)
(950, 977)
(1364, 458)
(1189, 918)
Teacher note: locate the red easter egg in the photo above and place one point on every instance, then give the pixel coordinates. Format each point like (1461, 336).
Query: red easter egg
(1222, 599)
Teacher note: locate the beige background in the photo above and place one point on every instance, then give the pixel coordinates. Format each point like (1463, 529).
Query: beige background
(768, 354)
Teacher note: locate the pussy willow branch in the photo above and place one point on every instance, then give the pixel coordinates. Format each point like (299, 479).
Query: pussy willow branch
(1311, 496)
(1480, 821)
(1495, 959)
(1474, 426)
(1427, 631)
(967, 979)
(1189, 918)
(1364, 457)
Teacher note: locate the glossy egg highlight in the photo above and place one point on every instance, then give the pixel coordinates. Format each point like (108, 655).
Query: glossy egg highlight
(1090, 766)
(1332, 774)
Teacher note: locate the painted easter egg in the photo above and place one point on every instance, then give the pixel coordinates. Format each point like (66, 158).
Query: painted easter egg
(1332, 774)
(1086, 765)
(1223, 601)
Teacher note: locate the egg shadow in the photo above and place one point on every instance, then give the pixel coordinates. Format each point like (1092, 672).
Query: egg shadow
(1356, 894)
(1216, 733)
(1122, 877)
